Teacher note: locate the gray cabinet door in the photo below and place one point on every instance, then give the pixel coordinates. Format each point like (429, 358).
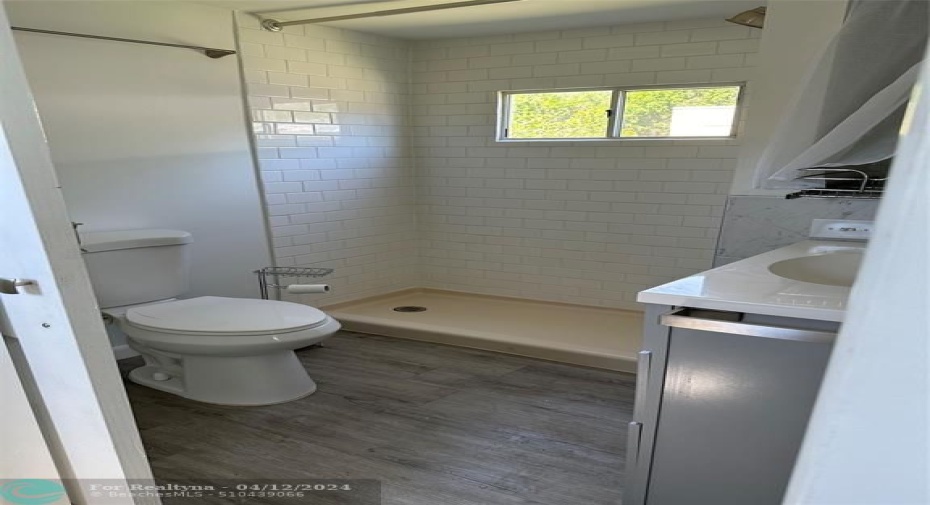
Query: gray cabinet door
(732, 416)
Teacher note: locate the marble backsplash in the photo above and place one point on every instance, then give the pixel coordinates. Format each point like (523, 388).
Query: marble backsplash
(755, 224)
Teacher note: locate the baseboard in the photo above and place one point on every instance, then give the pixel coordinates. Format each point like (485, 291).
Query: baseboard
(124, 351)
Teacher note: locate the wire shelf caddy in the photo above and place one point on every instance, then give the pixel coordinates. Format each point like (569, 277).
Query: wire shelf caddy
(295, 271)
(269, 277)
(863, 186)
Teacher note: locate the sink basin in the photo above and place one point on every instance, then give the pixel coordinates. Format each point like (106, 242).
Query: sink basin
(831, 269)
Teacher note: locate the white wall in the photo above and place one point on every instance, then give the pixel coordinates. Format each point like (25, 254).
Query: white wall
(795, 32)
(145, 136)
(758, 220)
(330, 114)
(581, 222)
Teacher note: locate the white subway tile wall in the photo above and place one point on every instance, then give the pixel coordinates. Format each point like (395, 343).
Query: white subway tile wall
(330, 112)
(580, 222)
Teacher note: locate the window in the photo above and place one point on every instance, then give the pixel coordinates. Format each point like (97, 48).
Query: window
(619, 113)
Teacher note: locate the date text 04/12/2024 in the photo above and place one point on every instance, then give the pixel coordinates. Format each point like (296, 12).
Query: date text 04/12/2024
(355, 491)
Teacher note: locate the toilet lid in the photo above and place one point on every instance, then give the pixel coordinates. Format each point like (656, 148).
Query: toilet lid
(218, 315)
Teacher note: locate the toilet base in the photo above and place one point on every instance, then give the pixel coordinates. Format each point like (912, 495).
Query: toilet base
(227, 380)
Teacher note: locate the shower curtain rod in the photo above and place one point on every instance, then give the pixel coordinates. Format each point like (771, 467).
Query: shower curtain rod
(274, 25)
(208, 51)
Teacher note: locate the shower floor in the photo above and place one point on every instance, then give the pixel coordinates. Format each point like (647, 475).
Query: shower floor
(591, 336)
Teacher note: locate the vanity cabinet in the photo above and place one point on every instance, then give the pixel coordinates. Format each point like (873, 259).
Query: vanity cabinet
(722, 403)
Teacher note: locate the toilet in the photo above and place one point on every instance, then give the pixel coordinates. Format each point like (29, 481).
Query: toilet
(228, 351)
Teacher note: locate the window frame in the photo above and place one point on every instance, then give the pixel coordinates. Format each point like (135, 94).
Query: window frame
(617, 103)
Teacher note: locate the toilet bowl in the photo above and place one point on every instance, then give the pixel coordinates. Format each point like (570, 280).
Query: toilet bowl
(229, 351)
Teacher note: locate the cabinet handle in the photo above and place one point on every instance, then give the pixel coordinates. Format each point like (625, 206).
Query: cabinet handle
(684, 319)
(643, 366)
(633, 434)
(11, 286)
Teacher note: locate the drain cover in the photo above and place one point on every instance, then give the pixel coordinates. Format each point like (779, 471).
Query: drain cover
(410, 308)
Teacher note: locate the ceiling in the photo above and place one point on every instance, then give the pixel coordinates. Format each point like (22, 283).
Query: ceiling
(521, 16)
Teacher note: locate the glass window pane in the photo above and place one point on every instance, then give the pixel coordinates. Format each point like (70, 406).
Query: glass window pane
(562, 115)
(694, 112)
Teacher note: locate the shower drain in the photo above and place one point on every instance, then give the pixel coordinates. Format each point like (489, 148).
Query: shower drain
(410, 308)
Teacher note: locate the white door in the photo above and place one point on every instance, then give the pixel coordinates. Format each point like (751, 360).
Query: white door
(52, 325)
(868, 441)
(26, 464)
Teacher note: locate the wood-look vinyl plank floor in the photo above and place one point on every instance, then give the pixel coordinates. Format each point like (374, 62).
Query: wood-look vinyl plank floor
(437, 425)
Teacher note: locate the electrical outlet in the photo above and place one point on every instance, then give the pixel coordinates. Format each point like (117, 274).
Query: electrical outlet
(838, 229)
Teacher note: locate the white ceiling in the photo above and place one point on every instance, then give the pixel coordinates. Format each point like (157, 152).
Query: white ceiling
(521, 16)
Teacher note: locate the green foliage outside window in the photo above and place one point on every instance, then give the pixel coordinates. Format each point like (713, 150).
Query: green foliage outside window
(583, 114)
(648, 113)
(575, 114)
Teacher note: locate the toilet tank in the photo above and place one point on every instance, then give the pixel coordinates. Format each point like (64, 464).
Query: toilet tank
(129, 267)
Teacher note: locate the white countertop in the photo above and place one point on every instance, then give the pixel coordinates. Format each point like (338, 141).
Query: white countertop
(748, 286)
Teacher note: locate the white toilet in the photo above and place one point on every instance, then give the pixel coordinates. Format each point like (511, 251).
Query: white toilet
(230, 351)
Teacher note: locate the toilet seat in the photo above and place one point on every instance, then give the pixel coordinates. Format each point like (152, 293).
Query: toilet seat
(229, 367)
(221, 316)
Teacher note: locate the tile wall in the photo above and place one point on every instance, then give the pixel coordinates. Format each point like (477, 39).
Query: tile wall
(440, 203)
(330, 112)
(580, 222)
